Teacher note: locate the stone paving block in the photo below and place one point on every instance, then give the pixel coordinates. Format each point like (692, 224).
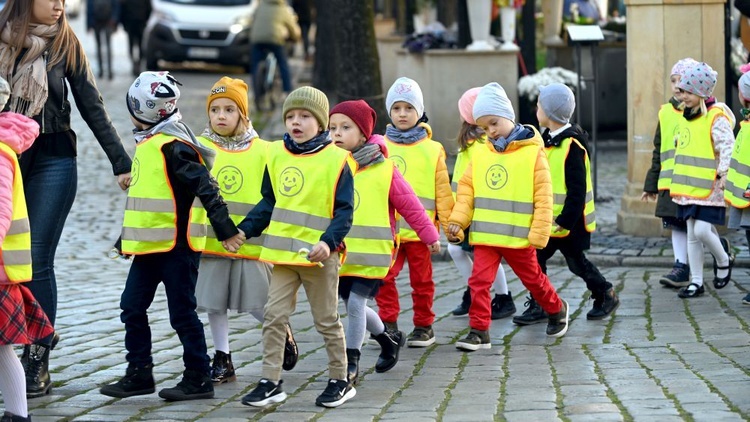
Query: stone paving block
(597, 417)
(531, 415)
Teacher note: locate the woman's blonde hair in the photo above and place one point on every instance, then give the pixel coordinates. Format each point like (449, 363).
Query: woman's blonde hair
(65, 45)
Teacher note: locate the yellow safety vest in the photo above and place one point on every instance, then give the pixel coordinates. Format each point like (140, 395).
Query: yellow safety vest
(556, 157)
(738, 178)
(695, 161)
(503, 196)
(240, 175)
(304, 187)
(370, 243)
(150, 221)
(418, 163)
(16, 248)
(669, 126)
(462, 161)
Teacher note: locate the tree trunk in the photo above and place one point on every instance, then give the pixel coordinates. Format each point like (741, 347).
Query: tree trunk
(528, 40)
(326, 56)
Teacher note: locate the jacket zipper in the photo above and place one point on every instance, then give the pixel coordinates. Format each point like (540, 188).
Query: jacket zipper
(44, 55)
(62, 100)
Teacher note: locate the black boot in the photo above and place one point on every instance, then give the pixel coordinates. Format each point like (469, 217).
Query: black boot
(463, 307)
(194, 385)
(36, 366)
(503, 306)
(390, 345)
(9, 417)
(352, 367)
(222, 368)
(138, 381)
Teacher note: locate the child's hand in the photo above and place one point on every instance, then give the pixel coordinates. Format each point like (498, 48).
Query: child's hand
(123, 180)
(435, 247)
(320, 252)
(453, 229)
(645, 196)
(234, 243)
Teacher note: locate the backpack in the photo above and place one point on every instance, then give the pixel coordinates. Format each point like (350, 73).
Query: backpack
(102, 11)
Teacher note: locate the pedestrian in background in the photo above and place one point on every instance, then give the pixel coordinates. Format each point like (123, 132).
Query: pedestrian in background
(134, 15)
(226, 280)
(659, 178)
(22, 320)
(172, 167)
(304, 11)
(704, 150)
(102, 17)
(273, 25)
(40, 56)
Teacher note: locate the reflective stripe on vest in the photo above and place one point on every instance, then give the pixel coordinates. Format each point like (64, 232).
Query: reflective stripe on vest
(417, 162)
(239, 175)
(16, 248)
(695, 161)
(738, 177)
(669, 126)
(304, 187)
(557, 157)
(369, 244)
(503, 197)
(150, 221)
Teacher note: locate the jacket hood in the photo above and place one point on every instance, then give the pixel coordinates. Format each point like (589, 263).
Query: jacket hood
(728, 111)
(574, 131)
(17, 131)
(379, 141)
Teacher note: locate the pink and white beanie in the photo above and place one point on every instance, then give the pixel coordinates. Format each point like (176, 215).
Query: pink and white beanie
(681, 65)
(698, 79)
(153, 97)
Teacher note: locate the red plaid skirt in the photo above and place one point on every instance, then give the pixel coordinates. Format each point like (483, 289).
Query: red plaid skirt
(22, 320)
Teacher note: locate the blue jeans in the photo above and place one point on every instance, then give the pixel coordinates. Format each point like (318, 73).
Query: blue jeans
(50, 184)
(178, 270)
(258, 54)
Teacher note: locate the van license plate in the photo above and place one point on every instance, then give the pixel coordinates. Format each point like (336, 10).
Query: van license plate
(203, 53)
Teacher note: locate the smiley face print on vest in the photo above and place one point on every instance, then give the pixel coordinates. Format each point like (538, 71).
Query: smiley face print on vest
(496, 177)
(291, 181)
(683, 139)
(356, 199)
(400, 163)
(134, 171)
(230, 179)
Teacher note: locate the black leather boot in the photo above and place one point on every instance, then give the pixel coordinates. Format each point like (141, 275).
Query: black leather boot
(390, 344)
(352, 367)
(36, 367)
(137, 381)
(222, 369)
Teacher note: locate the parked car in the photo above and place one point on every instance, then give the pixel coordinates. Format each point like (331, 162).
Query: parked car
(214, 31)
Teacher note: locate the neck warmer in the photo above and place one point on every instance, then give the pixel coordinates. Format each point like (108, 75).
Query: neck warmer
(409, 136)
(173, 126)
(368, 154)
(518, 132)
(308, 147)
(239, 142)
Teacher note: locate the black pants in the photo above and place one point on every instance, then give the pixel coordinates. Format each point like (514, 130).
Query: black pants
(178, 270)
(577, 263)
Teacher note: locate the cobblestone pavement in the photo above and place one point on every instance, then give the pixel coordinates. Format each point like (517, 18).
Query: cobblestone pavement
(658, 358)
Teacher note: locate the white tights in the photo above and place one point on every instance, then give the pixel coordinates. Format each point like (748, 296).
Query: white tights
(679, 245)
(12, 382)
(464, 264)
(700, 234)
(219, 324)
(360, 317)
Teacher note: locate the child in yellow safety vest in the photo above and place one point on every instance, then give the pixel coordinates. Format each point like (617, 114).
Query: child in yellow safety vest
(379, 192)
(659, 177)
(506, 195)
(737, 189)
(170, 170)
(422, 162)
(704, 150)
(22, 320)
(470, 140)
(305, 213)
(572, 201)
(226, 280)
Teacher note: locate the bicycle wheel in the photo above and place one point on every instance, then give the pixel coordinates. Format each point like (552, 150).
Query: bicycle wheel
(259, 85)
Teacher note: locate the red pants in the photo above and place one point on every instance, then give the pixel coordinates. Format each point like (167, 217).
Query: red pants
(523, 262)
(422, 285)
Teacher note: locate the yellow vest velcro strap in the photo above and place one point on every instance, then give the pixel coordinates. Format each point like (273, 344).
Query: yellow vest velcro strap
(149, 204)
(148, 234)
(706, 163)
(22, 257)
(501, 229)
(368, 259)
(18, 226)
(692, 181)
(285, 243)
(301, 219)
(427, 203)
(374, 233)
(739, 167)
(503, 205)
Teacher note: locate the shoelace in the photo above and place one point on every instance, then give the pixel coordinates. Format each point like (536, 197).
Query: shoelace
(34, 363)
(529, 301)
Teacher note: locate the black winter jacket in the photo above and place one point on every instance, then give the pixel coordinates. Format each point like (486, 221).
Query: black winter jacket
(665, 207)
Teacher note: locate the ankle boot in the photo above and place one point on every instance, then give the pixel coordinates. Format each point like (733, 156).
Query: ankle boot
(138, 381)
(463, 307)
(36, 368)
(222, 368)
(390, 345)
(352, 368)
(9, 417)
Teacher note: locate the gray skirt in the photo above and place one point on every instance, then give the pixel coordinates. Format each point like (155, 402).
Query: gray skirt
(232, 284)
(739, 218)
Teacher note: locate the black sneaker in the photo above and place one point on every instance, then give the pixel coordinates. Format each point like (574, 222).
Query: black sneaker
(678, 277)
(337, 392)
(604, 305)
(503, 306)
(475, 340)
(693, 290)
(463, 307)
(557, 324)
(746, 299)
(421, 337)
(136, 382)
(194, 385)
(266, 392)
(534, 314)
(291, 352)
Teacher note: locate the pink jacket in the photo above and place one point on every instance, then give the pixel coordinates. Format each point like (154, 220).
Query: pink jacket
(402, 199)
(18, 132)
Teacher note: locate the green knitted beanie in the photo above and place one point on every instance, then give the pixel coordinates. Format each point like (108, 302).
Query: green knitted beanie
(310, 99)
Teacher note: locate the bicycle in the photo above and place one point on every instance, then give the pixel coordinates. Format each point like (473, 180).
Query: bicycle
(267, 85)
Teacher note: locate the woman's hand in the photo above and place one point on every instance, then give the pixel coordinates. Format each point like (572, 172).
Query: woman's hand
(123, 180)
(645, 196)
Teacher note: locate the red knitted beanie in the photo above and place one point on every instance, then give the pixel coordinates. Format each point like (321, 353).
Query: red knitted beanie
(361, 114)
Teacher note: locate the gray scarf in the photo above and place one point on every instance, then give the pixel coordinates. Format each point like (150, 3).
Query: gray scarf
(173, 126)
(409, 136)
(367, 155)
(239, 142)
